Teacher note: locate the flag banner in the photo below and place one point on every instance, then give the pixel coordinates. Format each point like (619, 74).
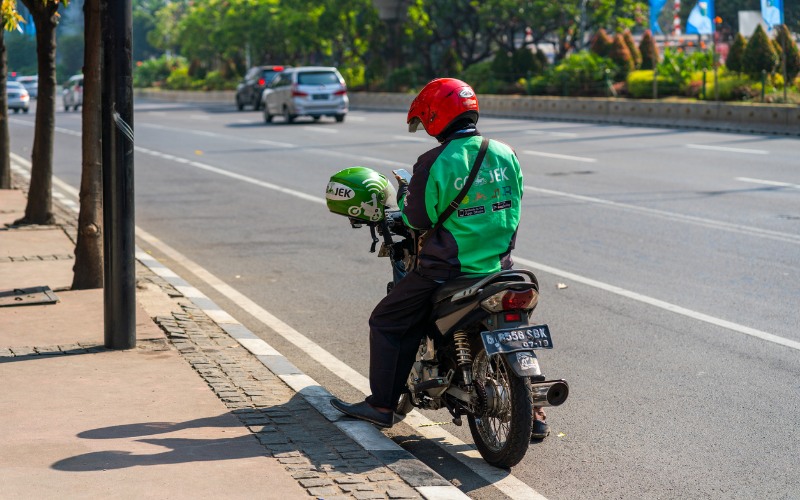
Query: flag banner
(701, 19)
(656, 6)
(772, 12)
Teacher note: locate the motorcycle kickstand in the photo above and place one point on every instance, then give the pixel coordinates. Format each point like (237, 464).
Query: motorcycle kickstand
(456, 416)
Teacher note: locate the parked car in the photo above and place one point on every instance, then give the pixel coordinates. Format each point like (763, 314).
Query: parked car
(73, 93)
(313, 91)
(248, 91)
(31, 84)
(17, 97)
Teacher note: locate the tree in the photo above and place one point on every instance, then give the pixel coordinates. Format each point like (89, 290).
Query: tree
(88, 268)
(635, 52)
(40, 193)
(649, 51)
(759, 55)
(9, 18)
(735, 59)
(601, 43)
(789, 52)
(621, 56)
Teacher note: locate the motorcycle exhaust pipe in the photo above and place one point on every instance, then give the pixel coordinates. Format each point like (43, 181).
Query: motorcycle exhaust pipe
(550, 392)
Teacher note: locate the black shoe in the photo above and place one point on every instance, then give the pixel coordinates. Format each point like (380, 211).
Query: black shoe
(540, 430)
(363, 411)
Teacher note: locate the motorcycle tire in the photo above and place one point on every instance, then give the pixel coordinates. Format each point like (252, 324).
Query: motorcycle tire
(404, 405)
(503, 432)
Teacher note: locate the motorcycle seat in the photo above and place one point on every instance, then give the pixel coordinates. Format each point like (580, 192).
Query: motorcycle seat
(468, 285)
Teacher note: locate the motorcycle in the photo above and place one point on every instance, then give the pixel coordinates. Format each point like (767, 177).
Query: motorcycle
(478, 357)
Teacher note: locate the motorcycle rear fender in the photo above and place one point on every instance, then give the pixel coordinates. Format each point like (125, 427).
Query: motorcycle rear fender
(524, 363)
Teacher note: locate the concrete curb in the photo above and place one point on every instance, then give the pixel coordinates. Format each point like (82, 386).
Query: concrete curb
(744, 118)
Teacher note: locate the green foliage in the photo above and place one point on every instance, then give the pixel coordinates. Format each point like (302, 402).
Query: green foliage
(179, 79)
(621, 56)
(501, 65)
(404, 79)
(581, 74)
(632, 48)
(759, 55)
(154, 72)
(481, 77)
(649, 51)
(735, 59)
(677, 67)
(791, 52)
(640, 85)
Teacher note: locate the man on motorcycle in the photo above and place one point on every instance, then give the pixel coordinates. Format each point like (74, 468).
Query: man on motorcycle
(474, 240)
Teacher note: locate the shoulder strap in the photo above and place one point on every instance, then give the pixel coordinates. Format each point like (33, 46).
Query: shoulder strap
(472, 174)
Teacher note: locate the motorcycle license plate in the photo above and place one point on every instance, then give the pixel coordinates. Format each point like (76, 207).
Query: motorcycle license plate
(517, 339)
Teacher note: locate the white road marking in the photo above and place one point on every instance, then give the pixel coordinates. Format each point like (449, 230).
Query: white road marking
(560, 157)
(661, 304)
(700, 221)
(412, 138)
(199, 117)
(767, 183)
(325, 130)
(727, 149)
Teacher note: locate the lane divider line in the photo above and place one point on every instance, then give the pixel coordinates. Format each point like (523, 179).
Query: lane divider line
(729, 325)
(728, 149)
(767, 183)
(559, 156)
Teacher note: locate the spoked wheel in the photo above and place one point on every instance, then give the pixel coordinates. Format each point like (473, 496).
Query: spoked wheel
(502, 429)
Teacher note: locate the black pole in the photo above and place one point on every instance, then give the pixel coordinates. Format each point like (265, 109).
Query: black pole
(118, 208)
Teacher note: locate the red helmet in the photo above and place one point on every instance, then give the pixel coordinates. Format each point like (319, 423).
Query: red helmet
(440, 103)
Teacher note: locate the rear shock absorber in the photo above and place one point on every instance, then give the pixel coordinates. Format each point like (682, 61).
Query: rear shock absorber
(463, 356)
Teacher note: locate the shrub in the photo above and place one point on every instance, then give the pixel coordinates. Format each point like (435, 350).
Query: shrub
(501, 65)
(215, 81)
(402, 79)
(601, 43)
(649, 51)
(179, 79)
(635, 52)
(582, 73)
(640, 85)
(736, 54)
(481, 77)
(524, 63)
(154, 72)
(759, 55)
(791, 52)
(621, 56)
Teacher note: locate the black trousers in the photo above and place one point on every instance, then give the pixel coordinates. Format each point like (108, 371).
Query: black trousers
(396, 327)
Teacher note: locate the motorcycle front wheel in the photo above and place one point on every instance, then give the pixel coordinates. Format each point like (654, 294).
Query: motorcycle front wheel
(502, 428)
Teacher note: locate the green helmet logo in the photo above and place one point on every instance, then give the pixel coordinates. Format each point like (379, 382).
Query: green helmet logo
(358, 192)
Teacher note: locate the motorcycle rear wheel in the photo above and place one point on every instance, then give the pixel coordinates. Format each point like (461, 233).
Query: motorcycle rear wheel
(503, 432)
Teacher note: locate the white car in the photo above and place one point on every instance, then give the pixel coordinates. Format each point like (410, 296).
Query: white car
(17, 97)
(314, 91)
(73, 93)
(31, 83)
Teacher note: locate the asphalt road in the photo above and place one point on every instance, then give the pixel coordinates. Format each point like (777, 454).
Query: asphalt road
(678, 328)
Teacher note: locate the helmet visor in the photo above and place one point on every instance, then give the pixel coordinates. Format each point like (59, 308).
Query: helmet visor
(414, 124)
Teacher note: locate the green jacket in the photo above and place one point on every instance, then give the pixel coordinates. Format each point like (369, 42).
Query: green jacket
(478, 237)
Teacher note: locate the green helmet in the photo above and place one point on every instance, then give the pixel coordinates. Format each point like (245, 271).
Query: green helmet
(360, 193)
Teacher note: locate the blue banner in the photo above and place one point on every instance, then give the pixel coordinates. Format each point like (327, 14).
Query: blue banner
(772, 12)
(701, 19)
(656, 6)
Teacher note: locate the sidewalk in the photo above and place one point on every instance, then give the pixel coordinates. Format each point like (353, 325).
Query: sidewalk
(188, 413)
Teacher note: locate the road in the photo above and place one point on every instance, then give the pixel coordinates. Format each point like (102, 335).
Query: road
(669, 262)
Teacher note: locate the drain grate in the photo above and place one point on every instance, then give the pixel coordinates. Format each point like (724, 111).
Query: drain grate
(27, 296)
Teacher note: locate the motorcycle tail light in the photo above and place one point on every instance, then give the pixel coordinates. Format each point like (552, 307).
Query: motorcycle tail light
(511, 300)
(512, 316)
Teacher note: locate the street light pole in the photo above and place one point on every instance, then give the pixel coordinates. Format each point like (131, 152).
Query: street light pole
(119, 291)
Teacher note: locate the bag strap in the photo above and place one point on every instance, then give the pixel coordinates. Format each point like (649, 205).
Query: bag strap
(472, 174)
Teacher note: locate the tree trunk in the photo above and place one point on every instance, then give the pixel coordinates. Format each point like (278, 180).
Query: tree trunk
(5, 142)
(40, 193)
(88, 269)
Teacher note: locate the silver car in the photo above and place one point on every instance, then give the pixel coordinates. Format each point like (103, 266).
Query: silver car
(73, 93)
(31, 83)
(314, 91)
(17, 97)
